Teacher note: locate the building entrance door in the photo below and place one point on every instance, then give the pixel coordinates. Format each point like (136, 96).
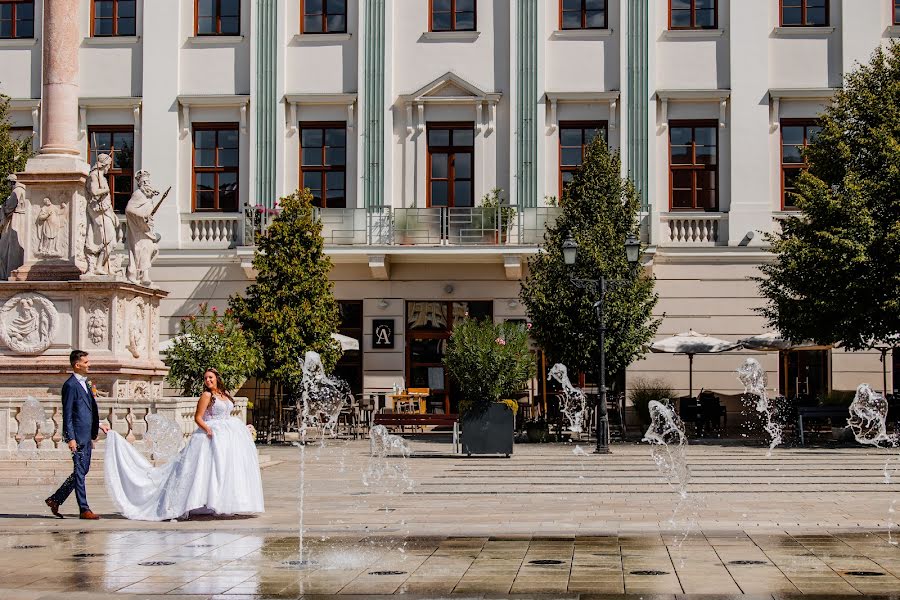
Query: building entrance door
(428, 327)
(804, 374)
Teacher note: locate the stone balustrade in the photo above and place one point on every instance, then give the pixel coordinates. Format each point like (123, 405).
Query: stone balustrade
(214, 231)
(23, 437)
(693, 229)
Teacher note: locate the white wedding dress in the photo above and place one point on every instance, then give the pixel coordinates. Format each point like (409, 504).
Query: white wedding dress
(218, 475)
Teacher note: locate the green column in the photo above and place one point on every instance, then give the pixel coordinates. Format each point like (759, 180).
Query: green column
(638, 97)
(373, 103)
(266, 37)
(526, 100)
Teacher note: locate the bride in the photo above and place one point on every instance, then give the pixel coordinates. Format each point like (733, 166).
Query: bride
(217, 472)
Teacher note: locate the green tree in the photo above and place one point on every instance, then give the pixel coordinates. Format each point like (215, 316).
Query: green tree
(207, 340)
(290, 309)
(13, 153)
(836, 274)
(599, 210)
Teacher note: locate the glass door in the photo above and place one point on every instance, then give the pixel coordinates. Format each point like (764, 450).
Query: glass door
(804, 375)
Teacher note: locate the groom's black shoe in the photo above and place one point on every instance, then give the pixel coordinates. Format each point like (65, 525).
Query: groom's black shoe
(89, 515)
(54, 507)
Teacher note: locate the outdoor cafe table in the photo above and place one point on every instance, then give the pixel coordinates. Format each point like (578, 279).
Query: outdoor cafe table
(411, 402)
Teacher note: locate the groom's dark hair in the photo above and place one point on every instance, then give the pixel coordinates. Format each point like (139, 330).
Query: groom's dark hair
(76, 355)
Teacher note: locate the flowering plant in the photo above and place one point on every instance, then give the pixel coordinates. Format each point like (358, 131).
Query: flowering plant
(210, 339)
(489, 361)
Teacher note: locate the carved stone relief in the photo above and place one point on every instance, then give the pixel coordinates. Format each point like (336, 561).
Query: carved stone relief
(97, 320)
(51, 230)
(28, 323)
(137, 328)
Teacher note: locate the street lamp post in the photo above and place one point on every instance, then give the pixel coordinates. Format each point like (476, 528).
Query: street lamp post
(599, 287)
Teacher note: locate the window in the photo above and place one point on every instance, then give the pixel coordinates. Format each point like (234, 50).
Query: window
(795, 137)
(573, 139)
(16, 19)
(350, 366)
(804, 13)
(216, 161)
(323, 162)
(21, 134)
(113, 18)
(896, 12)
(324, 16)
(452, 15)
(118, 143)
(582, 14)
(218, 17)
(692, 14)
(693, 165)
(451, 148)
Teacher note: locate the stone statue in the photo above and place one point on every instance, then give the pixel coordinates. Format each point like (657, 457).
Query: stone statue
(141, 239)
(12, 215)
(101, 235)
(49, 223)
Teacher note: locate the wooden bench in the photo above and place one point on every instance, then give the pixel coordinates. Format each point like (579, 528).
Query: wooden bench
(819, 413)
(415, 419)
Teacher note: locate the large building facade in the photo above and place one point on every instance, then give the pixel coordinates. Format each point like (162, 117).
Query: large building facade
(401, 115)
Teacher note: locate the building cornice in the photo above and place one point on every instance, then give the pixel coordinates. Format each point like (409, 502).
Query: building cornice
(610, 98)
(292, 101)
(719, 96)
(191, 101)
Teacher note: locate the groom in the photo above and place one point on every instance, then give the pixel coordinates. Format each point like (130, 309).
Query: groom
(81, 423)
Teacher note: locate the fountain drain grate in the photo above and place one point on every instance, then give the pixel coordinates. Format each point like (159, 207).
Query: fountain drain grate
(649, 573)
(88, 555)
(387, 573)
(27, 547)
(299, 564)
(864, 573)
(156, 563)
(747, 562)
(545, 561)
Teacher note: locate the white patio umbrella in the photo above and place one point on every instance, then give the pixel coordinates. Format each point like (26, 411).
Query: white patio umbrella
(774, 342)
(691, 343)
(347, 342)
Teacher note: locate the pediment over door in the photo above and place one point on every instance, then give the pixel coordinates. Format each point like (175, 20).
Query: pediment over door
(450, 89)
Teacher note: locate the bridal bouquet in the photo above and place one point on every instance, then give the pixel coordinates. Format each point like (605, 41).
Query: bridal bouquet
(252, 431)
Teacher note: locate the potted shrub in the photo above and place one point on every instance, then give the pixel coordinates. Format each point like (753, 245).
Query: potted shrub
(489, 362)
(644, 390)
(537, 431)
(210, 340)
(493, 207)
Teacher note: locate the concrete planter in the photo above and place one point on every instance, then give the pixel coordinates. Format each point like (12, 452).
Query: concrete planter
(491, 432)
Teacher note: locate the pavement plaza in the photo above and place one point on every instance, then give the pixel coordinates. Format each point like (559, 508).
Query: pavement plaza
(803, 521)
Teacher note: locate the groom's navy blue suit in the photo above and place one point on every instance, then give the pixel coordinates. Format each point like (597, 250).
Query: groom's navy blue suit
(81, 422)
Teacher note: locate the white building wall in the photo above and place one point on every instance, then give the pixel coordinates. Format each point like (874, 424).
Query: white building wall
(704, 287)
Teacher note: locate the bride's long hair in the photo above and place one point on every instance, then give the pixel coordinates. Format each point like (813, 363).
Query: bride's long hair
(220, 386)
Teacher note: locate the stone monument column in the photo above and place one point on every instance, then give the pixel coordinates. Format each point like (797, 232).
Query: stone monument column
(55, 179)
(59, 89)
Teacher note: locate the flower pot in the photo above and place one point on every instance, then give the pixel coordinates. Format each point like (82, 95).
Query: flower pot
(490, 432)
(537, 434)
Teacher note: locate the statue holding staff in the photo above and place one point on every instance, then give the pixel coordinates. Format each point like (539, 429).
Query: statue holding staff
(142, 240)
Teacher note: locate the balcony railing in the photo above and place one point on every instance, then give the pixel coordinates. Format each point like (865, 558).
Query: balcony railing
(211, 230)
(693, 229)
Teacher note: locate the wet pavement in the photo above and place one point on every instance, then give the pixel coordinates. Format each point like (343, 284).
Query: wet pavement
(546, 521)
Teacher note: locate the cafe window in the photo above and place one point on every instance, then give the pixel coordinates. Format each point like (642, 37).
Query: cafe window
(113, 18)
(323, 163)
(350, 366)
(451, 149)
(216, 167)
(795, 137)
(16, 19)
(118, 144)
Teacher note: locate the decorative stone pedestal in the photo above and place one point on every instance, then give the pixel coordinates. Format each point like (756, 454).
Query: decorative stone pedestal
(41, 322)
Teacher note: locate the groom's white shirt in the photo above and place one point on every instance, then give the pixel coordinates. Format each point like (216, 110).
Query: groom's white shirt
(82, 380)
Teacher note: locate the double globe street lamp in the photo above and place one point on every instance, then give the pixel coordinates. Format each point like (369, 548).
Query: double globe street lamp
(599, 287)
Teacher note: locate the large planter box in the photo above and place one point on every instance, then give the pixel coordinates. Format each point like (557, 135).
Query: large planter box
(490, 432)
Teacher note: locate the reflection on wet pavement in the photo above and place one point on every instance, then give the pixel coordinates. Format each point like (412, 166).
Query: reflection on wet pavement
(264, 565)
